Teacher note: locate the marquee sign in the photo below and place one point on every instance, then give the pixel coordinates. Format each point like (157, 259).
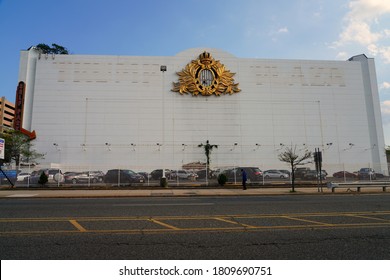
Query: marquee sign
(206, 76)
(19, 106)
(19, 111)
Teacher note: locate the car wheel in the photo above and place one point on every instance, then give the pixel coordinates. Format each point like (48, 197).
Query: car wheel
(266, 177)
(74, 181)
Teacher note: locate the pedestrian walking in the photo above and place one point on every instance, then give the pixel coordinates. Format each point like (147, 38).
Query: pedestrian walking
(244, 178)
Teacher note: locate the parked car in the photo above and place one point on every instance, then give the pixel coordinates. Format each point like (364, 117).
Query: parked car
(275, 174)
(313, 175)
(379, 175)
(212, 173)
(183, 174)
(22, 176)
(97, 174)
(252, 173)
(366, 173)
(54, 175)
(344, 174)
(157, 174)
(123, 176)
(82, 177)
(300, 172)
(11, 175)
(286, 172)
(146, 175)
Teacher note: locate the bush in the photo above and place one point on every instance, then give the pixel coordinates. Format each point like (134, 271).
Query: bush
(222, 179)
(43, 179)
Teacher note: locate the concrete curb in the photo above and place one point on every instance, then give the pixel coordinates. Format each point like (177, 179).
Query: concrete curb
(169, 192)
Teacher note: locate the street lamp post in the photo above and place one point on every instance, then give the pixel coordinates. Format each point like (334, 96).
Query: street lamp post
(163, 182)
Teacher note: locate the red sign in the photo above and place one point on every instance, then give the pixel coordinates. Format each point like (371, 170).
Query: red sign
(19, 110)
(19, 106)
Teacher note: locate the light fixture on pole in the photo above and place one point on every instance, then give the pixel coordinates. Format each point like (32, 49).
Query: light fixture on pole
(328, 145)
(163, 183)
(234, 146)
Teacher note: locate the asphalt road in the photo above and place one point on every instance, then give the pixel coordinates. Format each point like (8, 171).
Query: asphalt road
(242, 227)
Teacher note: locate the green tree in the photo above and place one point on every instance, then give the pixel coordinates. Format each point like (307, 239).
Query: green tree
(290, 156)
(54, 49)
(18, 147)
(387, 150)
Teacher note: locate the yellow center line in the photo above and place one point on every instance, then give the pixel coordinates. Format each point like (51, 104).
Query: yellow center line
(77, 225)
(164, 224)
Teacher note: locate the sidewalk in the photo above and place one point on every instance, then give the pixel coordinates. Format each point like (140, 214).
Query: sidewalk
(169, 192)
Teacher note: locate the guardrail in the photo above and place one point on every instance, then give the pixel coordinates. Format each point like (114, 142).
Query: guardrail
(358, 186)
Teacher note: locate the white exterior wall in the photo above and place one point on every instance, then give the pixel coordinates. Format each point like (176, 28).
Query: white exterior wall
(82, 102)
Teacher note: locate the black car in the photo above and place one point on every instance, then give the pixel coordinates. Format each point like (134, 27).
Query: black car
(301, 171)
(253, 174)
(313, 175)
(157, 174)
(123, 176)
(366, 174)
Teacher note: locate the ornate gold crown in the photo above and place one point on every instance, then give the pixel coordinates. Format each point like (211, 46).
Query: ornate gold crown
(205, 58)
(192, 81)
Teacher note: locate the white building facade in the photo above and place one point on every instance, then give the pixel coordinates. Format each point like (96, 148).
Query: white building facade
(103, 112)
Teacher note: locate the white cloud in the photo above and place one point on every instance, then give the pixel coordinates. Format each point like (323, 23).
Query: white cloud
(283, 30)
(385, 109)
(360, 23)
(343, 56)
(384, 85)
(367, 10)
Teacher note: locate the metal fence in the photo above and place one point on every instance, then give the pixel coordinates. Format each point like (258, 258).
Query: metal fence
(188, 175)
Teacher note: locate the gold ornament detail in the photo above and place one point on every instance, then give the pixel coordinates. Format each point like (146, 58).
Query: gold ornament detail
(206, 76)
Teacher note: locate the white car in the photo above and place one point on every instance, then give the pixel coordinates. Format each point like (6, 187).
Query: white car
(183, 174)
(23, 175)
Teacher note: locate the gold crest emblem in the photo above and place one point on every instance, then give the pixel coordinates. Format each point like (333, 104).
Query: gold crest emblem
(206, 76)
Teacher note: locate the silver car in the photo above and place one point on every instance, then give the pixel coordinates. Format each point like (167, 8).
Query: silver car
(275, 174)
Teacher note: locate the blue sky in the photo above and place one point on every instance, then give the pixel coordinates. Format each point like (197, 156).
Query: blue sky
(296, 29)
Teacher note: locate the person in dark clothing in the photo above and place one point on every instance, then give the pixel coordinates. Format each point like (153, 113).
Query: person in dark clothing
(244, 178)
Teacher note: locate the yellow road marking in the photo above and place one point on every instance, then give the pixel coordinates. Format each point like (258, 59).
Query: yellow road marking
(186, 230)
(234, 222)
(77, 225)
(307, 221)
(143, 218)
(164, 224)
(231, 219)
(370, 218)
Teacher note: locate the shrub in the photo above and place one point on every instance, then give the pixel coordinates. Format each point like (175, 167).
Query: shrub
(222, 179)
